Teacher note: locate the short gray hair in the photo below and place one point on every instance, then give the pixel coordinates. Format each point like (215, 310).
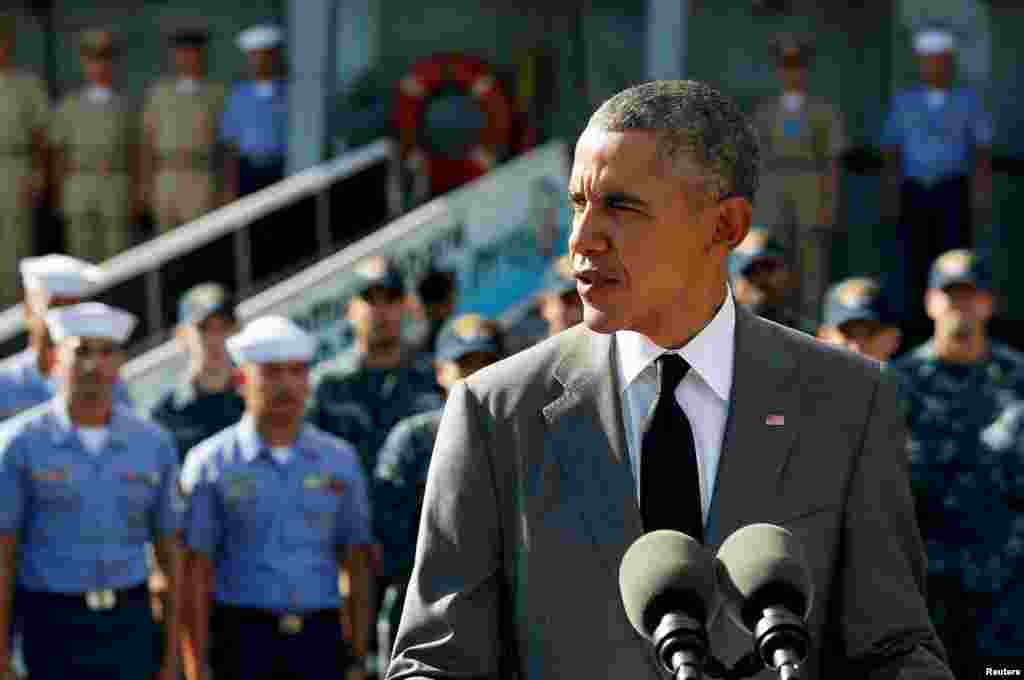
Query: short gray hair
(701, 133)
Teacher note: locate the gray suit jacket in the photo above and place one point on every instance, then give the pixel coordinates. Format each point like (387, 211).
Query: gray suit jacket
(530, 505)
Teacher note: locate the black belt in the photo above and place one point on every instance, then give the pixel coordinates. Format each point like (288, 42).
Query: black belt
(93, 600)
(286, 624)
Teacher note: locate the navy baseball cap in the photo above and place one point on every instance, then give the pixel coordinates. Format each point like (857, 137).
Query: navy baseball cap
(857, 299)
(467, 334)
(203, 301)
(960, 266)
(378, 272)
(559, 277)
(758, 247)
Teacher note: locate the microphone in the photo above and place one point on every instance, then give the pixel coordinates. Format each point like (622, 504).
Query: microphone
(767, 591)
(669, 590)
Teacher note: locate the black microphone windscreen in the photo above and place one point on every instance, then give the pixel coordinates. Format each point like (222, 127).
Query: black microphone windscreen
(666, 571)
(761, 565)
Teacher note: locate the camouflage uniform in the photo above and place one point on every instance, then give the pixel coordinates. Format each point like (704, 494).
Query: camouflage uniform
(400, 477)
(400, 480)
(967, 468)
(760, 247)
(362, 404)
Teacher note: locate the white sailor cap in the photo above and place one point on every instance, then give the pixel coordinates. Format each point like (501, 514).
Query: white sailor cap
(90, 320)
(260, 37)
(59, 275)
(271, 339)
(933, 41)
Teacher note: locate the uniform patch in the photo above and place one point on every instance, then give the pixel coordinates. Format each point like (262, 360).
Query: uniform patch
(329, 483)
(54, 475)
(956, 262)
(148, 478)
(857, 292)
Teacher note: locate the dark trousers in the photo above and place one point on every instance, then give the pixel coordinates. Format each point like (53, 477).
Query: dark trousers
(64, 639)
(255, 175)
(249, 644)
(933, 220)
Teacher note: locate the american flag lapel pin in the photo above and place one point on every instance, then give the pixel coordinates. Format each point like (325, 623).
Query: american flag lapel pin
(775, 420)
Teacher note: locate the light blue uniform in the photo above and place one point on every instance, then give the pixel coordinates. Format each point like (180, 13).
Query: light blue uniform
(940, 143)
(22, 386)
(83, 521)
(273, 530)
(257, 125)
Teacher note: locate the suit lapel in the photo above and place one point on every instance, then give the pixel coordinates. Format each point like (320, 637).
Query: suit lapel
(761, 428)
(586, 437)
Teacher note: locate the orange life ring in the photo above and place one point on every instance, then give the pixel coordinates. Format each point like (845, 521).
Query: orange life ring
(475, 79)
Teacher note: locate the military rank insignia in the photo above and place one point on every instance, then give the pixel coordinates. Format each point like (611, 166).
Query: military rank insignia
(53, 475)
(330, 483)
(147, 478)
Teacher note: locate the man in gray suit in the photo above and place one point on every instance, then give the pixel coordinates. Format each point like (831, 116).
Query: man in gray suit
(543, 473)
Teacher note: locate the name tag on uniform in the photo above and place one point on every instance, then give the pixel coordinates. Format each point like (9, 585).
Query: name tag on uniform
(149, 478)
(57, 475)
(325, 483)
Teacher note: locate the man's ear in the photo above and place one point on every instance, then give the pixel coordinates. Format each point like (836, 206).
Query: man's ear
(735, 216)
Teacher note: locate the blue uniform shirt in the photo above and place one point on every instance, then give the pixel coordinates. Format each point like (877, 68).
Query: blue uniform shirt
(937, 144)
(257, 124)
(22, 386)
(273, 530)
(84, 519)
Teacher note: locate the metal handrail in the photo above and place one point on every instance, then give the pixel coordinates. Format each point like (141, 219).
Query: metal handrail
(149, 256)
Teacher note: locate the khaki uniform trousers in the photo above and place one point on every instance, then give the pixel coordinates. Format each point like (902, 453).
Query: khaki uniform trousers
(16, 224)
(788, 205)
(97, 213)
(180, 196)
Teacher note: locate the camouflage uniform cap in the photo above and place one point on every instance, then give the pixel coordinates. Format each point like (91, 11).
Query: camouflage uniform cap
(857, 299)
(468, 334)
(960, 266)
(758, 247)
(378, 272)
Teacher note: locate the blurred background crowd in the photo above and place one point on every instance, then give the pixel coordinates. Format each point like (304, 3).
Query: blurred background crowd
(188, 164)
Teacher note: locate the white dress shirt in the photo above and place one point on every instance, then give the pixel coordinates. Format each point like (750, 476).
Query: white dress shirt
(703, 394)
(793, 101)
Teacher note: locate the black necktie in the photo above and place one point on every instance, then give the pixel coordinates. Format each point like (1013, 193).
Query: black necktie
(669, 482)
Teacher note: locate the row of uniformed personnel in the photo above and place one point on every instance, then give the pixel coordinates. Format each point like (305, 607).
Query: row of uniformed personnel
(269, 509)
(105, 165)
(271, 499)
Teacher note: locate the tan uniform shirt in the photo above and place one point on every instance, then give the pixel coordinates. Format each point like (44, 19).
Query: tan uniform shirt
(813, 135)
(179, 119)
(98, 143)
(96, 137)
